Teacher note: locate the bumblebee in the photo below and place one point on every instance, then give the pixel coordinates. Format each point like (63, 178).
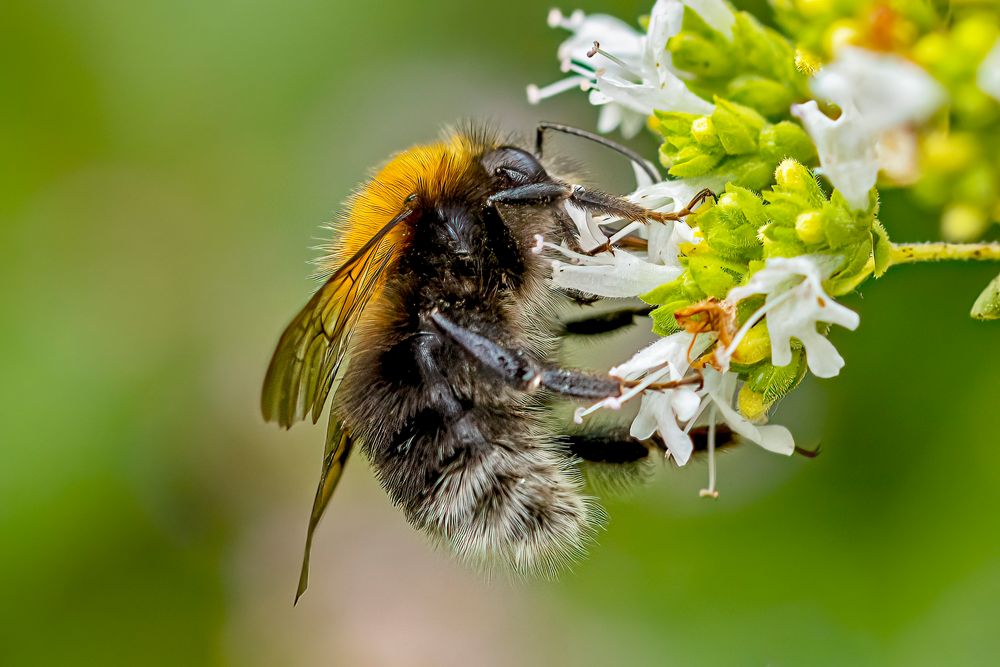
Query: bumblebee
(433, 339)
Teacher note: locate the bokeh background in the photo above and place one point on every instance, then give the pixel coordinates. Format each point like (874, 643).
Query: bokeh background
(166, 167)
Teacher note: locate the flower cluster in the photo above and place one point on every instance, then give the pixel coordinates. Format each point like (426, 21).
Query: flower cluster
(744, 288)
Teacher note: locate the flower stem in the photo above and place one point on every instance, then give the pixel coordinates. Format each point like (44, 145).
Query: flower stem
(908, 253)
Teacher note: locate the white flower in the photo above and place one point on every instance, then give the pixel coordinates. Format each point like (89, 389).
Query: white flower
(589, 234)
(795, 303)
(988, 76)
(635, 75)
(876, 93)
(719, 393)
(665, 360)
(659, 412)
(618, 274)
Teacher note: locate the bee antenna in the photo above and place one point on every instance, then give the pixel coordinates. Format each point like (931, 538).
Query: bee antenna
(641, 162)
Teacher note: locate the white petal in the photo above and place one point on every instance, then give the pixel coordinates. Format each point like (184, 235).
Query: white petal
(644, 424)
(669, 94)
(737, 422)
(608, 118)
(988, 76)
(887, 90)
(777, 439)
(678, 442)
(834, 313)
(589, 234)
(716, 14)
(823, 359)
(685, 402)
(626, 276)
(672, 349)
(846, 150)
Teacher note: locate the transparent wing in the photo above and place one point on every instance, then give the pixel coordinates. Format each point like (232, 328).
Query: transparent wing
(338, 448)
(313, 347)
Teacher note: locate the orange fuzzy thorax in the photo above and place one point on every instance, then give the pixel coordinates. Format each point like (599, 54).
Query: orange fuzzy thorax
(430, 171)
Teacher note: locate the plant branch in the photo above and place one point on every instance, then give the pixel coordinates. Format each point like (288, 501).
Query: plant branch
(908, 253)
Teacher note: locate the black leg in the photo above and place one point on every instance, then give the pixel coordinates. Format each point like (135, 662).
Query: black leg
(613, 447)
(520, 370)
(605, 322)
(533, 194)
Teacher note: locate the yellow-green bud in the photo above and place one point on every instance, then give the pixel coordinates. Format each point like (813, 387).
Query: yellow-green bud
(703, 131)
(755, 346)
(962, 222)
(791, 175)
(809, 227)
(728, 200)
(752, 404)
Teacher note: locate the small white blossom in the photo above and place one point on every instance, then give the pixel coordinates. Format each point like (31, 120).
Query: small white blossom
(665, 360)
(660, 412)
(719, 392)
(988, 76)
(876, 93)
(634, 74)
(589, 234)
(616, 275)
(795, 303)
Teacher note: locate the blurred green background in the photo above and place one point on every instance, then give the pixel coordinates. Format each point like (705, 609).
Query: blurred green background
(166, 166)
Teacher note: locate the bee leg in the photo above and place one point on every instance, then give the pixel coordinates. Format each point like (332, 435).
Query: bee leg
(612, 447)
(605, 204)
(518, 369)
(605, 322)
(533, 194)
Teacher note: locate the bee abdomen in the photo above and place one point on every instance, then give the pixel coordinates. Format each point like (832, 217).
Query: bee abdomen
(492, 486)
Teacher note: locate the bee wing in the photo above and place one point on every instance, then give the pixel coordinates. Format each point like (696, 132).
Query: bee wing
(314, 346)
(338, 448)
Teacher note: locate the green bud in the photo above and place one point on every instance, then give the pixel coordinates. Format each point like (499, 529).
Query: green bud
(738, 126)
(809, 227)
(703, 131)
(714, 275)
(700, 56)
(664, 322)
(987, 306)
(751, 404)
(767, 96)
(788, 140)
(755, 346)
(791, 175)
(774, 382)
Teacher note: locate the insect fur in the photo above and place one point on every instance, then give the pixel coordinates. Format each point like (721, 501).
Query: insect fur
(434, 337)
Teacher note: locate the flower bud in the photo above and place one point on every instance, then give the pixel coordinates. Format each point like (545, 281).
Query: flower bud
(752, 404)
(703, 131)
(774, 382)
(755, 346)
(987, 306)
(809, 227)
(699, 56)
(793, 176)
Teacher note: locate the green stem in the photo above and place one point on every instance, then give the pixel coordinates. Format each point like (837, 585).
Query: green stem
(908, 253)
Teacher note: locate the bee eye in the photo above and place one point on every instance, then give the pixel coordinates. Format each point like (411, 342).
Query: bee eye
(513, 166)
(510, 174)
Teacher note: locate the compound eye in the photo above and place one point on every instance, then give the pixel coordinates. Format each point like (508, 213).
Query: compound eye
(513, 166)
(510, 174)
